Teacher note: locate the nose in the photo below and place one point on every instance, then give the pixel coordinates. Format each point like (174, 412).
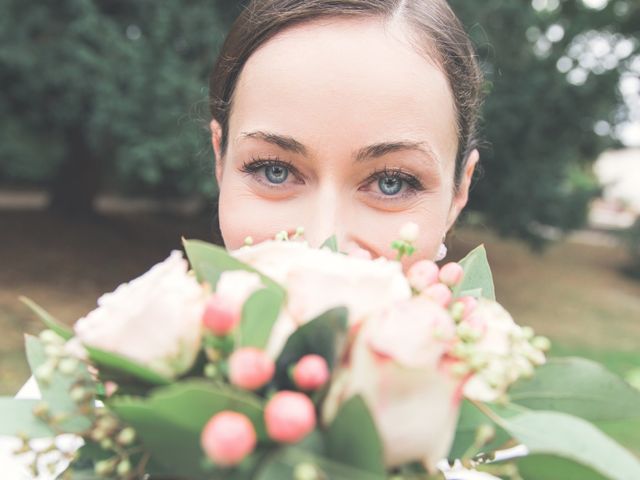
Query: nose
(327, 216)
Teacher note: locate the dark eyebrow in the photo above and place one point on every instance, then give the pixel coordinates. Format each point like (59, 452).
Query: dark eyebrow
(380, 149)
(372, 151)
(286, 143)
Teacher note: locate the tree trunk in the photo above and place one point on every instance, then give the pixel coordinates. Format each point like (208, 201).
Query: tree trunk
(77, 182)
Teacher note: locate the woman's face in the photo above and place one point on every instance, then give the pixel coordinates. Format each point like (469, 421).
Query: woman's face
(341, 127)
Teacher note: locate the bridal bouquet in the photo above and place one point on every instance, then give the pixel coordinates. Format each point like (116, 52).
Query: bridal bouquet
(280, 361)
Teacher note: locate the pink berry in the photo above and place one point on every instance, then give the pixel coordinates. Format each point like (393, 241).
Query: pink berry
(451, 274)
(439, 293)
(228, 438)
(220, 315)
(311, 372)
(289, 417)
(422, 274)
(250, 368)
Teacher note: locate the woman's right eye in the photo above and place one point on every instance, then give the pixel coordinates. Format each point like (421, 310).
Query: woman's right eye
(272, 172)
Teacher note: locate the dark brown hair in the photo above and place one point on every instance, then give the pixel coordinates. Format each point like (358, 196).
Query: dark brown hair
(434, 29)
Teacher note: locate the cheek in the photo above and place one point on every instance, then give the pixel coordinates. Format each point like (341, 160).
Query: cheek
(243, 214)
(377, 230)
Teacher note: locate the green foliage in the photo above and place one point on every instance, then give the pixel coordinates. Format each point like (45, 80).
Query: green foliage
(569, 416)
(170, 422)
(18, 419)
(113, 82)
(580, 387)
(49, 321)
(259, 314)
(55, 389)
(537, 125)
(551, 436)
(353, 439)
(324, 336)
(477, 280)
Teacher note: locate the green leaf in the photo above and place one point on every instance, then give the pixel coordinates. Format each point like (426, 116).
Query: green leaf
(579, 387)
(116, 367)
(558, 435)
(353, 439)
(331, 243)
(56, 391)
(477, 275)
(549, 467)
(18, 419)
(259, 314)
(283, 464)
(322, 336)
(170, 421)
(46, 318)
(469, 421)
(626, 432)
(209, 261)
(82, 466)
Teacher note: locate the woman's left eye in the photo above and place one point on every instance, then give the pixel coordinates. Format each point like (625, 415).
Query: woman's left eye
(395, 183)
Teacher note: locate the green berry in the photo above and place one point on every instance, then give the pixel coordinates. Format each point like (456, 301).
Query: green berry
(210, 370)
(126, 436)
(68, 365)
(49, 336)
(104, 468)
(124, 467)
(41, 409)
(106, 444)
(305, 471)
(78, 394)
(53, 350)
(44, 372)
(541, 343)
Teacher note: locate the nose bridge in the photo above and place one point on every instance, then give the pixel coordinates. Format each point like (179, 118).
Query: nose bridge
(328, 217)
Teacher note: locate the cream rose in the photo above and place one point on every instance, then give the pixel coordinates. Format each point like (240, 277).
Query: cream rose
(398, 365)
(317, 280)
(154, 319)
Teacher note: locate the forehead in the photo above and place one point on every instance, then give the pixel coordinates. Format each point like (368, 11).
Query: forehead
(336, 83)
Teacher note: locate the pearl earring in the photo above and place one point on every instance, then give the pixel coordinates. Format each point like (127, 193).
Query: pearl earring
(442, 251)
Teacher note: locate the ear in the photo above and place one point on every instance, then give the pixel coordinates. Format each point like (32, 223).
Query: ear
(462, 196)
(216, 136)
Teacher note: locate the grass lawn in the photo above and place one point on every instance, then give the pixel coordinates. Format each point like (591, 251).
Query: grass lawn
(575, 294)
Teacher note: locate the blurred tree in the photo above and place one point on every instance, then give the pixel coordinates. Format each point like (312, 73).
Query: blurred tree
(98, 92)
(553, 70)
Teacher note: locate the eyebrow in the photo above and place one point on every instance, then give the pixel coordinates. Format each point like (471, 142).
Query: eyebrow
(376, 150)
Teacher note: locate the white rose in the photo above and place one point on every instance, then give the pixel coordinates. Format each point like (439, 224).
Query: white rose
(238, 285)
(317, 280)
(398, 365)
(154, 319)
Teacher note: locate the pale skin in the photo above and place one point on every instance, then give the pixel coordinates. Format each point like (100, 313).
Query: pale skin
(354, 135)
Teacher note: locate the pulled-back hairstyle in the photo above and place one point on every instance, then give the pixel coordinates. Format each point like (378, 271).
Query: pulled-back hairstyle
(433, 28)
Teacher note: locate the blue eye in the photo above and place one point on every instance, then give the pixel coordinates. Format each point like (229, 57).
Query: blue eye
(394, 183)
(390, 185)
(276, 173)
(271, 172)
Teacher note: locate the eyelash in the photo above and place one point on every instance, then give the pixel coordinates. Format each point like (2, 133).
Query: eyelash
(413, 184)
